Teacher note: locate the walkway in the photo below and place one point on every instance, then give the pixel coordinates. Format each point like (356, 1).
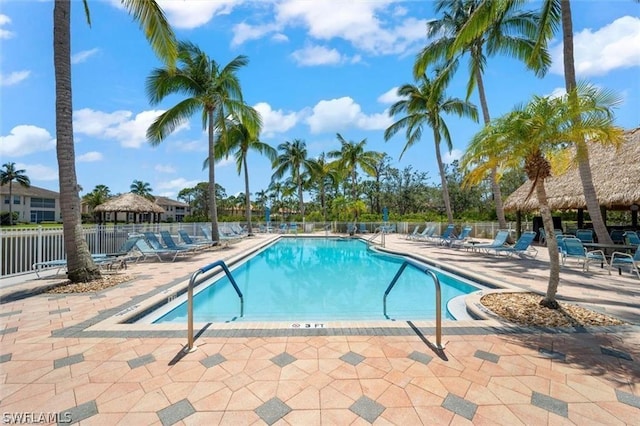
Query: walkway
(59, 363)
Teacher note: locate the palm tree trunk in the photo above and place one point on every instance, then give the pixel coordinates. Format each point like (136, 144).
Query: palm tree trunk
(213, 208)
(495, 185)
(11, 202)
(549, 300)
(301, 200)
(247, 197)
(443, 178)
(80, 265)
(584, 168)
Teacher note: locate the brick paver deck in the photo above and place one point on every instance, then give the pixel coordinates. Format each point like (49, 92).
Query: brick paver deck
(61, 359)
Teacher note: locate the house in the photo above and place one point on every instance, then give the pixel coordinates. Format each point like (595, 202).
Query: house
(174, 210)
(33, 204)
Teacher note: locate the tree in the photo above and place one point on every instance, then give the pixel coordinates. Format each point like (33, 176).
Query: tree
(353, 155)
(99, 195)
(535, 134)
(211, 89)
(142, 189)
(241, 140)
(8, 175)
(510, 32)
(323, 176)
(425, 104)
(293, 158)
(80, 265)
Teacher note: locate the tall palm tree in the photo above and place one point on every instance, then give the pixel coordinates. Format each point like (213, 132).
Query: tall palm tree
(239, 141)
(425, 104)
(534, 134)
(80, 265)
(9, 174)
(352, 155)
(99, 195)
(211, 89)
(142, 189)
(323, 175)
(293, 158)
(511, 33)
(554, 14)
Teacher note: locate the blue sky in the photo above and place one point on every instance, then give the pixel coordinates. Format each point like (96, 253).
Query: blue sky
(316, 68)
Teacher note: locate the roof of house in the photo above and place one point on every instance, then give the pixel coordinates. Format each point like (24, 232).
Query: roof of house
(164, 201)
(31, 191)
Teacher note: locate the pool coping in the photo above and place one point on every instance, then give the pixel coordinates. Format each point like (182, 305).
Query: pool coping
(115, 322)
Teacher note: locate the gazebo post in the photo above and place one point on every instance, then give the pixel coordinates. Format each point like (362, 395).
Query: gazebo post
(580, 218)
(518, 223)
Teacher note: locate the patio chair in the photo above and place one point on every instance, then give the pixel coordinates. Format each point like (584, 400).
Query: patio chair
(412, 235)
(625, 260)
(153, 240)
(617, 236)
(282, 229)
(585, 235)
(187, 239)
(454, 242)
(522, 247)
(631, 238)
(362, 228)
(426, 233)
(499, 241)
(293, 228)
(572, 248)
(170, 243)
(146, 250)
(443, 238)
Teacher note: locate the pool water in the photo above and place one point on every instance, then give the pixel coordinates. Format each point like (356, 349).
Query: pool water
(319, 279)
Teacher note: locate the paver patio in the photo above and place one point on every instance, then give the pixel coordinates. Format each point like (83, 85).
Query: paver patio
(56, 356)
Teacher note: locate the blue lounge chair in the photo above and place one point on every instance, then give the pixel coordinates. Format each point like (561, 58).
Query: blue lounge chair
(146, 250)
(585, 235)
(454, 242)
(293, 228)
(282, 229)
(631, 238)
(572, 248)
(625, 260)
(187, 239)
(443, 238)
(426, 233)
(617, 236)
(499, 241)
(412, 235)
(522, 247)
(362, 228)
(170, 243)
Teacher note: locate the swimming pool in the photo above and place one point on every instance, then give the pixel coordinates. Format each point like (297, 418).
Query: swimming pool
(317, 279)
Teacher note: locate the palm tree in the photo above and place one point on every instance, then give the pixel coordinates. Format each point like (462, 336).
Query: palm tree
(423, 105)
(324, 175)
(353, 155)
(80, 265)
(240, 139)
(293, 158)
(553, 14)
(510, 33)
(142, 189)
(534, 134)
(8, 174)
(211, 89)
(99, 195)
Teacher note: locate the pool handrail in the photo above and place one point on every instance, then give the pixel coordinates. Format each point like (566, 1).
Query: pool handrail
(190, 339)
(436, 282)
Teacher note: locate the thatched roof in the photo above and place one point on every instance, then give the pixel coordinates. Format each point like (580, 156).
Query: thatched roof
(129, 202)
(616, 177)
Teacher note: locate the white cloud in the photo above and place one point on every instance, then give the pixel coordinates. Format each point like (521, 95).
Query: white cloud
(450, 157)
(317, 55)
(280, 38)
(192, 146)
(243, 32)
(5, 34)
(24, 140)
(188, 14)
(176, 184)
(390, 96)
(558, 92)
(83, 56)
(122, 126)
(89, 157)
(343, 113)
(13, 78)
(38, 172)
(275, 121)
(164, 168)
(613, 46)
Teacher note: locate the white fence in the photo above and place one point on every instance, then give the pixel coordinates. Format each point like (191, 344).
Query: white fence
(21, 248)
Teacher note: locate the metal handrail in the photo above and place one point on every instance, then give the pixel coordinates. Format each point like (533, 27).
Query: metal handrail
(436, 281)
(378, 231)
(190, 346)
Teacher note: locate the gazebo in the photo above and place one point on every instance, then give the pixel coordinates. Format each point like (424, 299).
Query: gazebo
(130, 203)
(616, 177)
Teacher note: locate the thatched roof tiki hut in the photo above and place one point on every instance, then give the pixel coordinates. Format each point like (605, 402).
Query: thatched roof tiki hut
(130, 203)
(616, 177)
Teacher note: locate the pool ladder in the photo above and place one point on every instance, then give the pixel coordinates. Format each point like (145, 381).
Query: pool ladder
(378, 232)
(190, 338)
(436, 282)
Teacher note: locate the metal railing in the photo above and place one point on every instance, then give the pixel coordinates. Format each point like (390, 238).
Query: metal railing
(190, 338)
(436, 282)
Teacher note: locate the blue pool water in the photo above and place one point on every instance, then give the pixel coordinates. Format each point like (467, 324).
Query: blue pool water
(318, 279)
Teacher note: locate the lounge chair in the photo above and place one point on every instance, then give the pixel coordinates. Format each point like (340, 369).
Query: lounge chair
(170, 243)
(362, 228)
(499, 241)
(146, 250)
(522, 247)
(585, 235)
(352, 228)
(617, 236)
(282, 229)
(571, 247)
(631, 238)
(460, 239)
(426, 233)
(447, 234)
(625, 260)
(412, 235)
(238, 230)
(187, 239)
(293, 228)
